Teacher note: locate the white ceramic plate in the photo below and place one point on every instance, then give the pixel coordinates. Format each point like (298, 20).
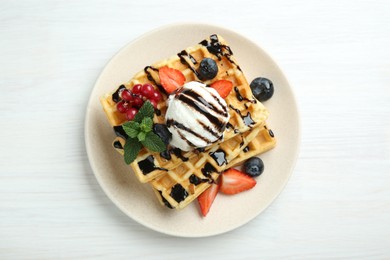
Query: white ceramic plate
(138, 200)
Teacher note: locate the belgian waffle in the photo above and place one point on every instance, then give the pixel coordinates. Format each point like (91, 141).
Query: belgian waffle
(245, 112)
(180, 186)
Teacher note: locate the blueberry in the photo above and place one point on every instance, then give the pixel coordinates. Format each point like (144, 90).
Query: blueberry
(254, 166)
(208, 69)
(162, 131)
(262, 88)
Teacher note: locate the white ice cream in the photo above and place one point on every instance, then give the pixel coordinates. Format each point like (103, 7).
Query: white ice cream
(196, 116)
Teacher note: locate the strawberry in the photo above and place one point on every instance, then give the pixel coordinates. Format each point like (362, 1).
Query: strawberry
(233, 181)
(207, 198)
(223, 87)
(171, 79)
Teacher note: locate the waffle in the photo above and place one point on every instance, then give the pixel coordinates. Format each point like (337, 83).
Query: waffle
(245, 112)
(180, 186)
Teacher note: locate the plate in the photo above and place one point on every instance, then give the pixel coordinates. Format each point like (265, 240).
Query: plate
(138, 200)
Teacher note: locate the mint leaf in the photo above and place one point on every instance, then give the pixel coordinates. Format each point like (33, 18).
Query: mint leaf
(141, 136)
(131, 148)
(154, 143)
(131, 128)
(146, 110)
(146, 124)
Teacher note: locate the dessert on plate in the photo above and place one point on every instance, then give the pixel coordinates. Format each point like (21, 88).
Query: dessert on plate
(182, 122)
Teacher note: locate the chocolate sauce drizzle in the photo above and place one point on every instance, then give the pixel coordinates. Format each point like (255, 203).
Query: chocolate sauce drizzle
(116, 95)
(219, 156)
(148, 72)
(208, 169)
(230, 126)
(178, 193)
(241, 98)
(194, 95)
(242, 141)
(166, 155)
(166, 203)
(200, 149)
(247, 119)
(117, 145)
(176, 151)
(120, 132)
(246, 149)
(213, 119)
(218, 49)
(183, 55)
(147, 165)
(196, 180)
(171, 122)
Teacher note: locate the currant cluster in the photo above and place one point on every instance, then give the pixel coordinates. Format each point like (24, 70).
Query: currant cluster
(133, 99)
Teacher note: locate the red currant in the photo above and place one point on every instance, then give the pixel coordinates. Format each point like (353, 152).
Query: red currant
(126, 95)
(138, 102)
(137, 88)
(147, 90)
(130, 114)
(153, 102)
(122, 106)
(156, 96)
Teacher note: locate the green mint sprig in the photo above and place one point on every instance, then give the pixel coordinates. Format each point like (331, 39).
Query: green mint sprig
(140, 132)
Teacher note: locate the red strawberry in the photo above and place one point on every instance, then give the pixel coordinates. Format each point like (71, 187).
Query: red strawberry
(171, 79)
(223, 87)
(233, 181)
(207, 198)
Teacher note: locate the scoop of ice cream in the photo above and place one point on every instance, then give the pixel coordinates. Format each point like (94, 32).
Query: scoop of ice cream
(196, 116)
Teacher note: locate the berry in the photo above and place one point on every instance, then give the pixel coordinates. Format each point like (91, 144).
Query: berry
(131, 112)
(223, 87)
(122, 106)
(262, 88)
(233, 181)
(156, 96)
(126, 95)
(171, 79)
(162, 131)
(137, 89)
(147, 90)
(207, 197)
(138, 102)
(153, 102)
(254, 166)
(208, 69)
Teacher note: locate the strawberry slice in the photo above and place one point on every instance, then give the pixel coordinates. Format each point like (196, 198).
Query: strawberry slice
(233, 181)
(223, 87)
(171, 79)
(206, 199)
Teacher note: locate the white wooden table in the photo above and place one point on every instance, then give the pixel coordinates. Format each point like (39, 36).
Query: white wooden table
(336, 54)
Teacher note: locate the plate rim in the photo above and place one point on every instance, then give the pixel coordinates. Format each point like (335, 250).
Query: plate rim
(87, 136)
